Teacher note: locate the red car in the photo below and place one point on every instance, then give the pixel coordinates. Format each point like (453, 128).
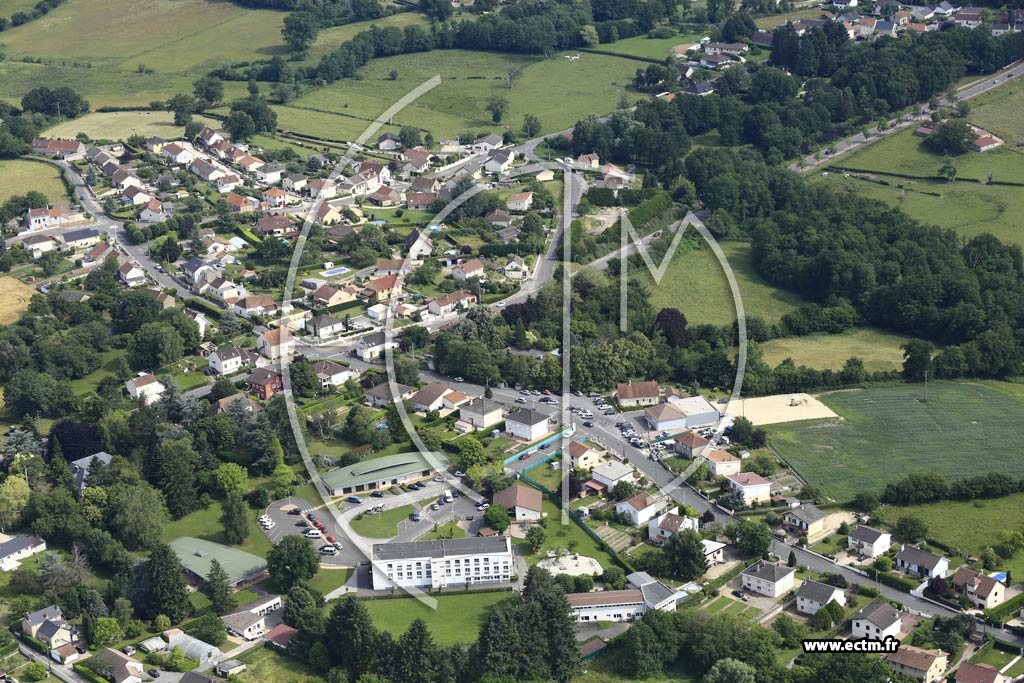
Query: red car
(319, 525)
(524, 456)
(546, 392)
(330, 539)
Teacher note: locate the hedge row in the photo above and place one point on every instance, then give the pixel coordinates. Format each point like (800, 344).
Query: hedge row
(87, 673)
(1004, 610)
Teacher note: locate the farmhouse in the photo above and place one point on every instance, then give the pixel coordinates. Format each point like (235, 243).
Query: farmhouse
(630, 394)
(868, 542)
(812, 596)
(528, 425)
(921, 562)
(984, 592)
(767, 578)
(442, 563)
(752, 487)
(721, 463)
(921, 665)
(145, 386)
(806, 520)
(57, 148)
(876, 620)
(17, 548)
(661, 527)
(481, 413)
(522, 502)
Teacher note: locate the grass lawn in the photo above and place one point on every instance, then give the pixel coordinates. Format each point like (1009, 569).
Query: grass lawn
(547, 475)
(558, 91)
(999, 111)
(650, 48)
(327, 580)
(206, 524)
(107, 368)
(603, 670)
(887, 433)
(696, 284)
(383, 525)
(831, 545)
(879, 350)
(20, 176)
(118, 125)
(561, 536)
(449, 530)
(271, 664)
(969, 525)
(718, 605)
(773, 20)
(457, 619)
(994, 657)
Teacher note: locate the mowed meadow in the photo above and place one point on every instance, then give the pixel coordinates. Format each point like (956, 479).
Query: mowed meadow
(883, 434)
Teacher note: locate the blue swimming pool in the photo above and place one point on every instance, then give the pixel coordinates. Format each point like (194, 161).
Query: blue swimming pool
(999, 576)
(335, 271)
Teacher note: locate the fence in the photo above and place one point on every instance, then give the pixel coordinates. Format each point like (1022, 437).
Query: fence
(536, 447)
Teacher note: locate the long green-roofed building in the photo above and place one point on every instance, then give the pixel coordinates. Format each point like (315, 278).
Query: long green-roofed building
(382, 473)
(196, 555)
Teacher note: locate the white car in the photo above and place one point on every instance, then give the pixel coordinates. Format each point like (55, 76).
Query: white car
(268, 525)
(483, 506)
(313, 533)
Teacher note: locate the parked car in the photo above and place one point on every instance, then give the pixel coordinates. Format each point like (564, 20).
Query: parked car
(376, 494)
(337, 544)
(328, 550)
(520, 400)
(354, 499)
(313, 533)
(738, 593)
(458, 379)
(153, 673)
(301, 523)
(295, 511)
(435, 506)
(588, 423)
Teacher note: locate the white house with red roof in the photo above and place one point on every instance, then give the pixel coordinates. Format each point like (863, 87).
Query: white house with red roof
(750, 486)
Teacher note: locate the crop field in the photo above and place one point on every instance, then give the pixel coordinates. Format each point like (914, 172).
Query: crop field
(878, 349)
(883, 434)
(971, 526)
(165, 35)
(14, 299)
(696, 284)
(558, 91)
(21, 176)
(457, 619)
(116, 125)
(325, 124)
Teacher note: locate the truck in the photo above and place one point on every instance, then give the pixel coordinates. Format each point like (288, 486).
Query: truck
(447, 495)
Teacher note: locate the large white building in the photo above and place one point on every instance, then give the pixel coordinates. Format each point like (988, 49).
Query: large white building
(442, 563)
(644, 593)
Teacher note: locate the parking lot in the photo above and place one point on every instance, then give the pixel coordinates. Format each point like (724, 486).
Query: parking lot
(288, 523)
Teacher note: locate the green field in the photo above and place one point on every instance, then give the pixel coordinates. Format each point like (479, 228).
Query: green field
(773, 20)
(879, 350)
(383, 525)
(20, 177)
(999, 111)
(650, 48)
(971, 526)
(558, 91)
(696, 284)
(886, 433)
(271, 664)
(206, 524)
(118, 125)
(449, 530)
(457, 619)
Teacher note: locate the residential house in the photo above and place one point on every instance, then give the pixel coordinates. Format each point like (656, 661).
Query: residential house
(277, 225)
(806, 520)
(57, 147)
(450, 303)
(98, 254)
(486, 143)
(327, 214)
(294, 182)
(701, 88)
(329, 295)
(662, 527)
(47, 217)
(610, 473)
(985, 143)
(582, 456)
(921, 562)
(519, 201)
(226, 290)
(690, 445)
(145, 386)
(499, 160)
(134, 195)
(515, 268)
(522, 502)
(322, 188)
(734, 49)
(177, 154)
(812, 596)
(210, 137)
(17, 548)
(388, 142)
(385, 196)
(239, 204)
(470, 269)
(391, 266)
(968, 17)
(481, 413)
(153, 212)
(264, 383)
(323, 326)
(885, 28)
(275, 197)
(228, 182)
(414, 161)
(430, 397)
(714, 552)
(721, 463)
(591, 160)
(499, 218)
(330, 374)
(750, 486)
(254, 305)
(382, 289)
(643, 595)
(376, 172)
(372, 346)
(119, 667)
(221, 406)
(197, 270)
(506, 235)
(382, 395)
(979, 673)
(38, 245)
(424, 184)
(269, 173)
(205, 170)
(418, 245)
(917, 663)
(164, 299)
(876, 621)
(281, 635)
(527, 425)
(228, 360)
(81, 468)
(83, 238)
(249, 621)
(632, 394)
(131, 274)
(420, 201)
(768, 578)
(714, 61)
(248, 162)
(984, 592)
(275, 343)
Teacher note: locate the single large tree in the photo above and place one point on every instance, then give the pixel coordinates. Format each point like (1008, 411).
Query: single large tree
(351, 637)
(166, 590)
(235, 518)
(292, 560)
(300, 30)
(685, 553)
(217, 588)
(416, 655)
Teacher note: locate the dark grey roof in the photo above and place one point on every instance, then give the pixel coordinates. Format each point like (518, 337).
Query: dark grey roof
(322, 320)
(82, 234)
(196, 677)
(881, 614)
(241, 620)
(228, 352)
(440, 548)
(527, 417)
(481, 406)
(80, 468)
(656, 593)
(48, 629)
(807, 513)
(917, 557)
(769, 571)
(371, 340)
(17, 544)
(865, 533)
(39, 616)
(816, 592)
